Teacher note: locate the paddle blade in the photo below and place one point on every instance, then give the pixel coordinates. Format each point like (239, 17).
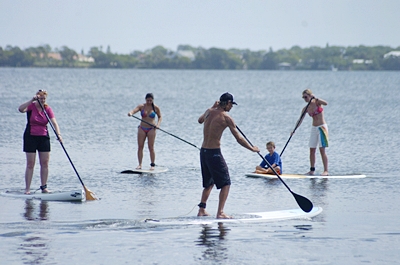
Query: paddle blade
(130, 172)
(304, 203)
(90, 196)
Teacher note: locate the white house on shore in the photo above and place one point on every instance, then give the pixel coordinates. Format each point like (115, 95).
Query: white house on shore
(392, 54)
(186, 54)
(83, 58)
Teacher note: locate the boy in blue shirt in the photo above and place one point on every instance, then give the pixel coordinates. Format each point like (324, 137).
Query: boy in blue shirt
(273, 158)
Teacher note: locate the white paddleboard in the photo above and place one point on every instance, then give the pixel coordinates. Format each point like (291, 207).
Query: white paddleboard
(145, 171)
(73, 195)
(242, 218)
(300, 176)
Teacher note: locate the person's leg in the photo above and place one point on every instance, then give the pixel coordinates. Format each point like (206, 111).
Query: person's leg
(151, 137)
(223, 195)
(313, 143)
(312, 161)
(30, 165)
(324, 161)
(204, 197)
(141, 137)
(44, 158)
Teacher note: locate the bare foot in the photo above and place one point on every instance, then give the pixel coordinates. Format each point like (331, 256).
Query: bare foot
(45, 191)
(139, 167)
(27, 192)
(151, 168)
(325, 173)
(223, 216)
(202, 212)
(310, 173)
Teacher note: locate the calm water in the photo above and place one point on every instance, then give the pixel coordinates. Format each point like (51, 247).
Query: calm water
(359, 224)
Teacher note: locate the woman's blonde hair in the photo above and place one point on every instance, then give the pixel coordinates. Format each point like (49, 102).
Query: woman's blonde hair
(307, 91)
(42, 93)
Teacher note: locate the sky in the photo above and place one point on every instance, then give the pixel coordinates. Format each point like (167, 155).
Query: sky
(129, 25)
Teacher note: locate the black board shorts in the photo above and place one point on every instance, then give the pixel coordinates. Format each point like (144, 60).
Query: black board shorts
(33, 143)
(213, 168)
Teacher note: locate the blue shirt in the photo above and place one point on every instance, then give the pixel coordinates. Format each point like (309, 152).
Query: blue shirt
(274, 159)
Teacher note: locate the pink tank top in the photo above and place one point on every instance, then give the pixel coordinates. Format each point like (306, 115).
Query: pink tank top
(38, 120)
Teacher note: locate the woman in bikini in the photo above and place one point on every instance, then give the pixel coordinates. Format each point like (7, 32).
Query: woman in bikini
(319, 130)
(148, 111)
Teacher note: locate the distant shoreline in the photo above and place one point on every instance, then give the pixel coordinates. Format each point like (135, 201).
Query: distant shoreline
(329, 58)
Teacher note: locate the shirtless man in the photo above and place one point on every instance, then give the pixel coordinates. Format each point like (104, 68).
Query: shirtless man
(213, 167)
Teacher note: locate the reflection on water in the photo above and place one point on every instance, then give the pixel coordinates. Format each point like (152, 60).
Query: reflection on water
(304, 227)
(213, 241)
(30, 214)
(319, 188)
(273, 182)
(35, 250)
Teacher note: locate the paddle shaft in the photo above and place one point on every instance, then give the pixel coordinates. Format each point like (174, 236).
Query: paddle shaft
(304, 203)
(297, 125)
(166, 132)
(62, 145)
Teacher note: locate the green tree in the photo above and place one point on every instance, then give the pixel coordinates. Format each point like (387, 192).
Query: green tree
(68, 56)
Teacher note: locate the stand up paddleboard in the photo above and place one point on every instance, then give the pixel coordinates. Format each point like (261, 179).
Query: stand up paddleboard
(300, 176)
(242, 218)
(74, 195)
(156, 170)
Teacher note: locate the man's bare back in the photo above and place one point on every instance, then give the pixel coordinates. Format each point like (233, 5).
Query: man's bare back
(215, 122)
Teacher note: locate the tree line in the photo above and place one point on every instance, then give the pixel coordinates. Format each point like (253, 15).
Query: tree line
(188, 57)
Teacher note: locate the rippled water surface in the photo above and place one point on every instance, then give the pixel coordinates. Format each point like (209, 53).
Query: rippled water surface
(359, 224)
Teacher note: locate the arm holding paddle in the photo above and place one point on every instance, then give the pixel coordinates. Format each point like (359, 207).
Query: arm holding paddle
(24, 106)
(159, 117)
(57, 128)
(241, 140)
(135, 110)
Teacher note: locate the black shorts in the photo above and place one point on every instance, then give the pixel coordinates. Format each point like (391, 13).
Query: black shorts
(33, 143)
(213, 168)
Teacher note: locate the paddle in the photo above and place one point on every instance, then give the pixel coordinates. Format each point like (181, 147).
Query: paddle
(297, 125)
(304, 203)
(165, 131)
(90, 196)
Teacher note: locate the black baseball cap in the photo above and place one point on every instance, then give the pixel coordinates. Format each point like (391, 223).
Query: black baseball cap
(226, 97)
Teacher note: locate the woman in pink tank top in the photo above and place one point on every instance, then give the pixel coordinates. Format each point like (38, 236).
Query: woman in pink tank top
(36, 138)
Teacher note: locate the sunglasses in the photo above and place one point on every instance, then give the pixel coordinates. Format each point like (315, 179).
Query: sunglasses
(42, 90)
(305, 97)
